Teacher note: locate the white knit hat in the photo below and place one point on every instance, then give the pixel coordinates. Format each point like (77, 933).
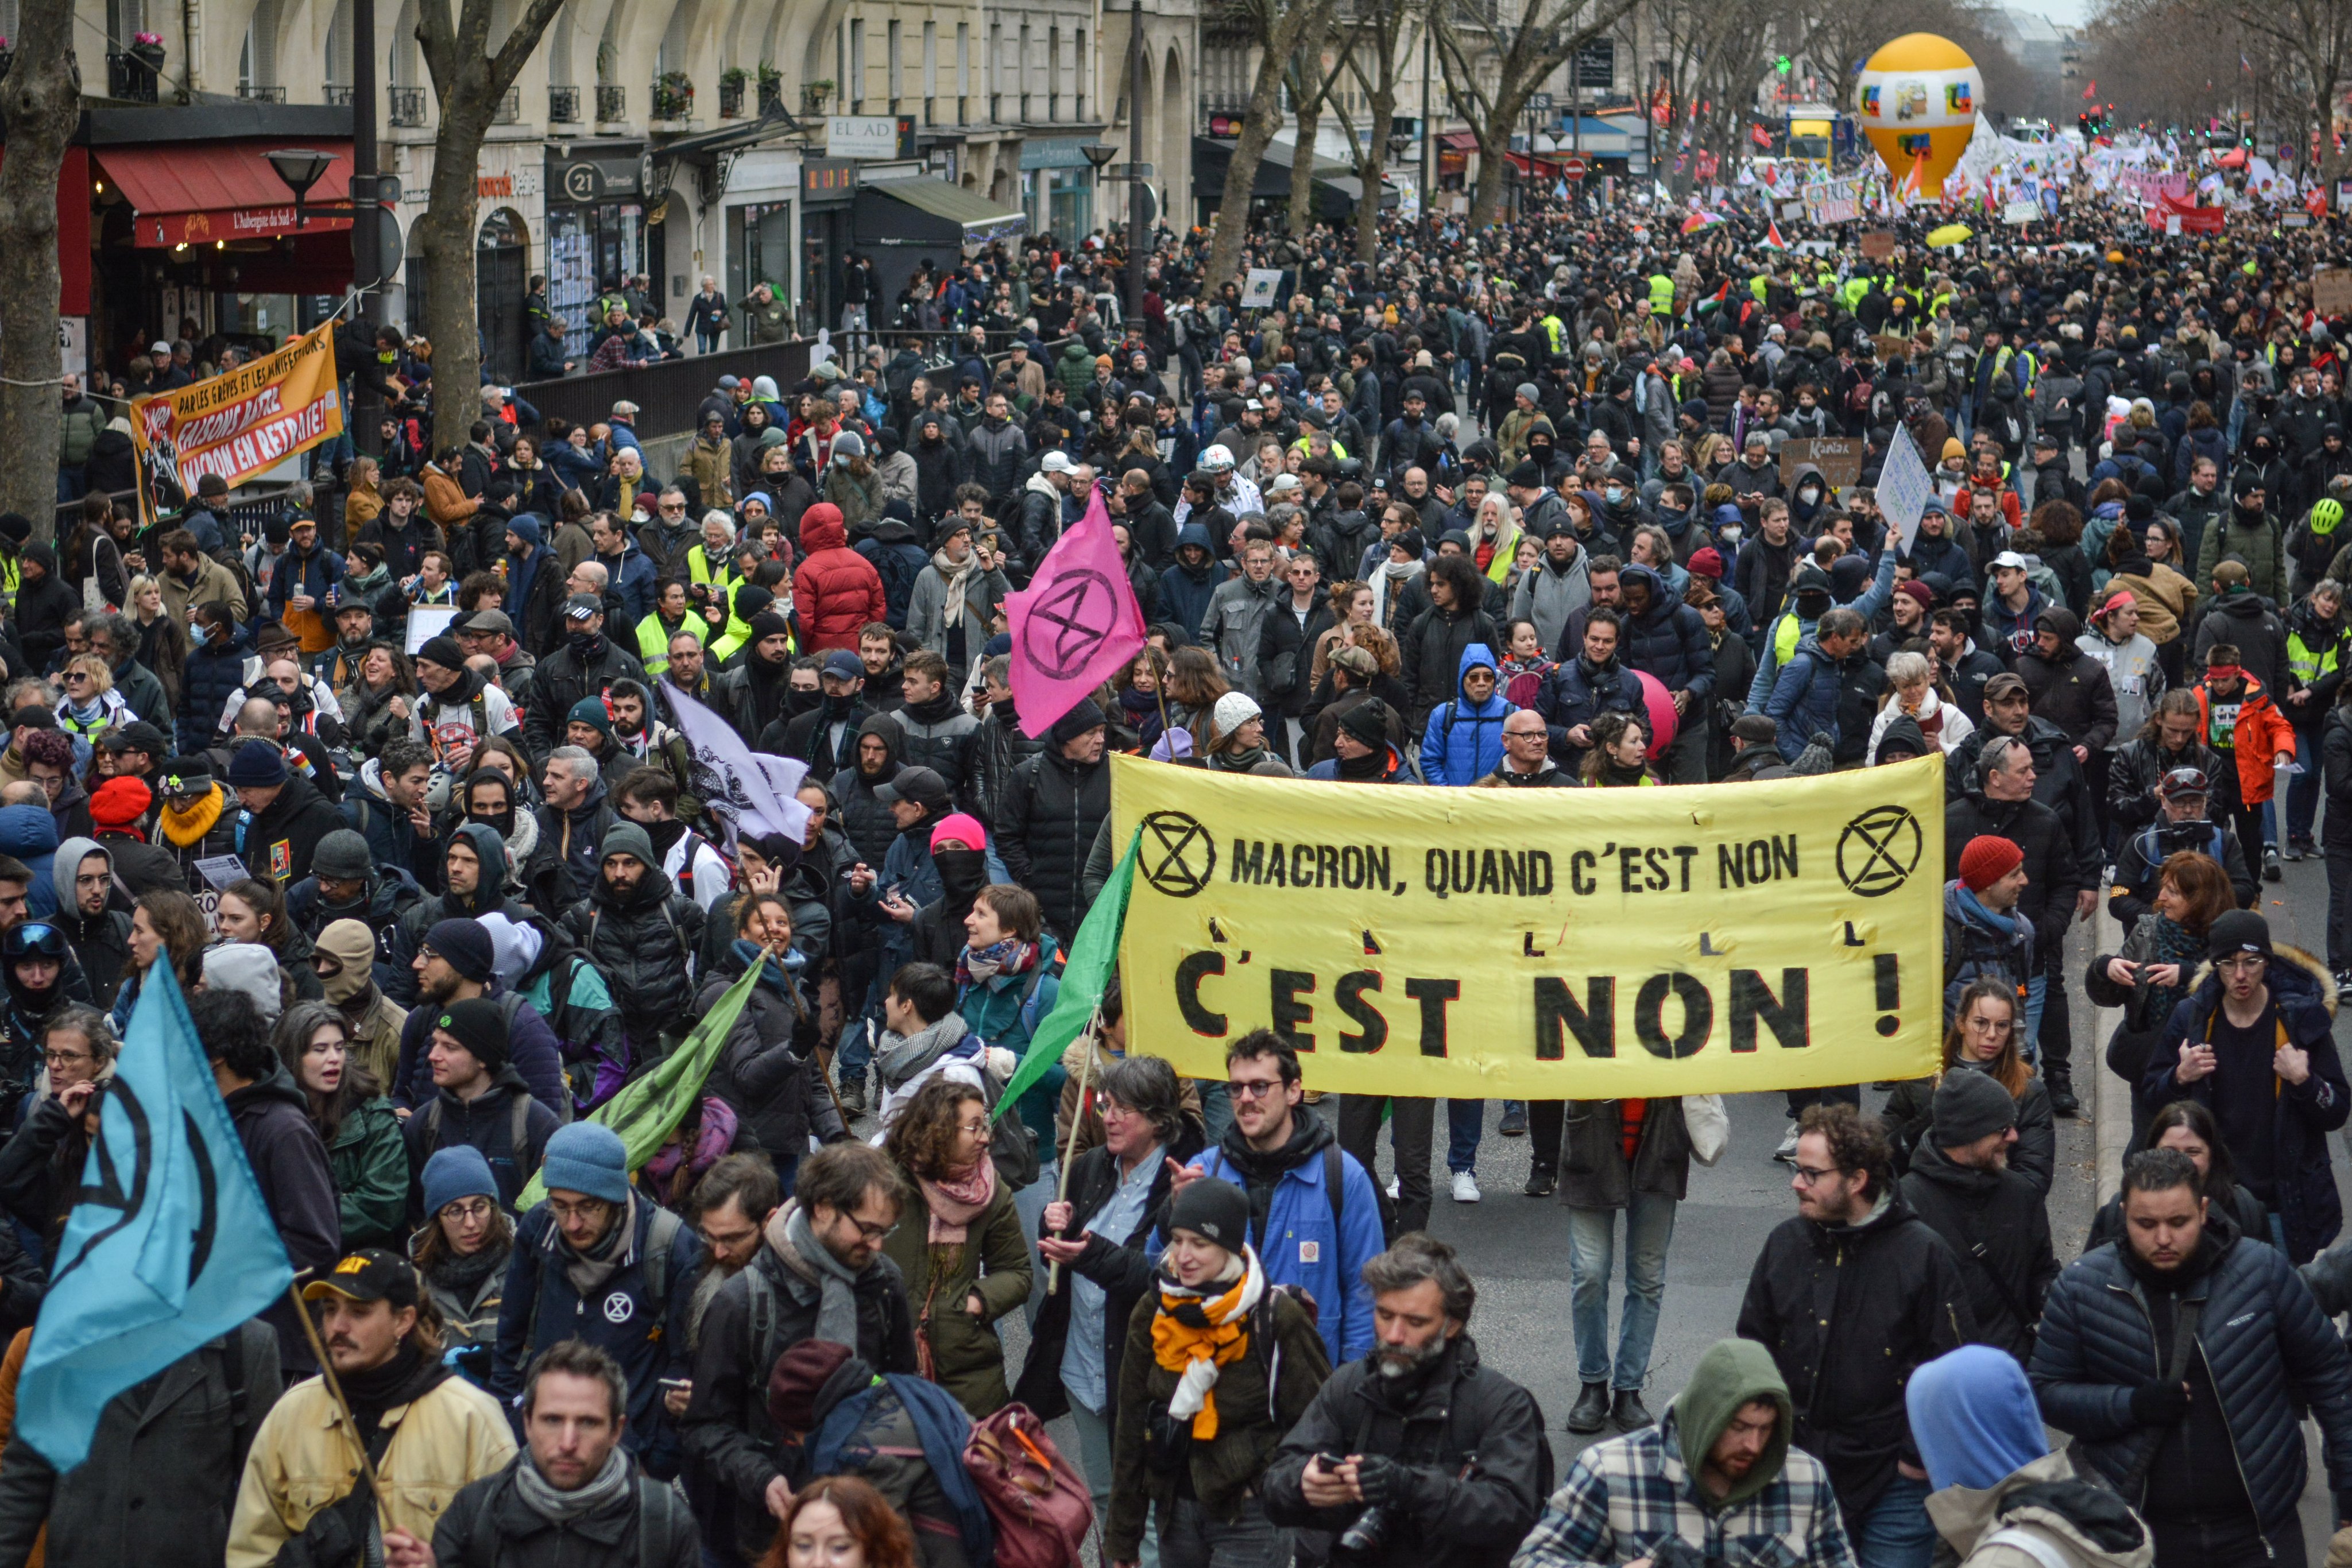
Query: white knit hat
(1233, 710)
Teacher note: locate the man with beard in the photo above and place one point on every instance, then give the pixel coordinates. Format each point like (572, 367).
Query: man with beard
(1961, 1185)
(643, 936)
(824, 736)
(585, 667)
(384, 1343)
(1300, 1183)
(455, 963)
(754, 694)
(473, 876)
(1451, 1453)
(573, 820)
(388, 804)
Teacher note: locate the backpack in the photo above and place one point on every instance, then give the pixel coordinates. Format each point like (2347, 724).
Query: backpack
(1857, 401)
(1334, 1187)
(945, 1430)
(663, 1526)
(1042, 1508)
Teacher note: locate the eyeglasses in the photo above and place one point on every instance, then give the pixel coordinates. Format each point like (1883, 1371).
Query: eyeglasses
(867, 1230)
(1808, 1176)
(1252, 1089)
(587, 1209)
(2248, 964)
(976, 1128)
(57, 1059)
(667, 507)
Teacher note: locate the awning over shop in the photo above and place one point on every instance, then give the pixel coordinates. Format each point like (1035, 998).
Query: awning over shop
(1458, 141)
(196, 192)
(954, 211)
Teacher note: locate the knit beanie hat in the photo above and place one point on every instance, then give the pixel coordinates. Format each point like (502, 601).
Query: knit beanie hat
(442, 650)
(352, 945)
(477, 1024)
(464, 946)
(1987, 859)
(1216, 1209)
(2238, 931)
(343, 856)
(798, 1380)
(1233, 710)
(455, 1172)
(587, 1158)
(1707, 561)
(120, 802)
(257, 765)
(1969, 1105)
(768, 623)
(1368, 722)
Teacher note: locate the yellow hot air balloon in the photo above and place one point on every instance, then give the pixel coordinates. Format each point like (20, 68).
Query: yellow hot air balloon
(1920, 94)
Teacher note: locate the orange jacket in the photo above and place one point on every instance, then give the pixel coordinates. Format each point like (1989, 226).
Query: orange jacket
(2261, 734)
(445, 501)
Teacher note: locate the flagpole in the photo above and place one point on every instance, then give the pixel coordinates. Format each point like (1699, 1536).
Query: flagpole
(343, 1406)
(1070, 1145)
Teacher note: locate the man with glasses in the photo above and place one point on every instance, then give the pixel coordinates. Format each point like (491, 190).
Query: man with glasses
(2253, 1043)
(601, 1262)
(1851, 1297)
(818, 1272)
(1526, 755)
(1315, 1215)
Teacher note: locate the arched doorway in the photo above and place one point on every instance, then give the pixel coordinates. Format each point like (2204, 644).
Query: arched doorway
(1174, 168)
(502, 260)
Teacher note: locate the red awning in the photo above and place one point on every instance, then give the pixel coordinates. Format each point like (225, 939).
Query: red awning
(191, 193)
(1457, 141)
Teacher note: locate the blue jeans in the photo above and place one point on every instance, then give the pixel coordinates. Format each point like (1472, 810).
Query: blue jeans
(1896, 1532)
(1464, 1120)
(1592, 1238)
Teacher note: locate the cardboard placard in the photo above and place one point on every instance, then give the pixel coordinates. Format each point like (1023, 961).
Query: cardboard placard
(2331, 291)
(1892, 345)
(427, 622)
(1839, 457)
(1878, 244)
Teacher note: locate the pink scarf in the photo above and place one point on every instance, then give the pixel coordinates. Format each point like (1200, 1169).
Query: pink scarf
(956, 1203)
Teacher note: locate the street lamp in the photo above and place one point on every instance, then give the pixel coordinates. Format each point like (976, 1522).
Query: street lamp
(300, 168)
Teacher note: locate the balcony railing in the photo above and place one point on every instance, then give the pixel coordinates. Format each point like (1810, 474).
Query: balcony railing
(509, 107)
(406, 106)
(673, 96)
(254, 92)
(771, 94)
(731, 98)
(563, 106)
(131, 77)
(611, 103)
(338, 97)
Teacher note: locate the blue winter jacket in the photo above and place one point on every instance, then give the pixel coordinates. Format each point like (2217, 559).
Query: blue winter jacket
(313, 574)
(1464, 742)
(1668, 640)
(626, 1317)
(1301, 1244)
(29, 834)
(2263, 1338)
(1804, 700)
(210, 675)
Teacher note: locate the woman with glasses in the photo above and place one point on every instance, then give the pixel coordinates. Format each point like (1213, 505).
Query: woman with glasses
(1984, 1039)
(463, 1247)
(355, 1121)
(2153, 970)
(90, 703)
(957, 1244)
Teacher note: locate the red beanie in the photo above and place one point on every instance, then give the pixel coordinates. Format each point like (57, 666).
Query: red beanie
(1987, 859)
(1707, 561)
(120, 802)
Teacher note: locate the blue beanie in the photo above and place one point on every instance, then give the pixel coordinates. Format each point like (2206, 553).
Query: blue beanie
(456, 1172)
(587, 1158)
(527, 529)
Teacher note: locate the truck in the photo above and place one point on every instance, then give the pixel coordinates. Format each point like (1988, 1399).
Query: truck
(1811, 132)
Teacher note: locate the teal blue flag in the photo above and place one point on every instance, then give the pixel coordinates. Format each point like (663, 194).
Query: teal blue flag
(169, 1244)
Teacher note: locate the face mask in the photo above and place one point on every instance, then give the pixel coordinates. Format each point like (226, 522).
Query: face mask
(1730, 533)
(1809, 494)
(962, 873)
(1616, 494)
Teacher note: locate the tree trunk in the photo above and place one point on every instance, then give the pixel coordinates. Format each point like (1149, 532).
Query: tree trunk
(1494, 140)
(1241, 175)
(39, 103)
(1302, 166)
(1375, 161)
(451, 322)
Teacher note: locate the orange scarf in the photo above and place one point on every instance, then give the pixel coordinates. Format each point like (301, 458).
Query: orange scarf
(1195, 1334)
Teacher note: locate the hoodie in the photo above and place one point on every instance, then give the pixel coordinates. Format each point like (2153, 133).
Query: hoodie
(1464, 742)
(1185, 589)
(101, 941)
(1974, 1417)
(1732, 1373)
(29, 834)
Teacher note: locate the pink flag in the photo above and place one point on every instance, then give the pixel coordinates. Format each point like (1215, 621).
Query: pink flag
(1075, 624)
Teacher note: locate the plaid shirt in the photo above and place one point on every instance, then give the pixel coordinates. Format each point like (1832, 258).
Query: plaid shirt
(1623, 1496)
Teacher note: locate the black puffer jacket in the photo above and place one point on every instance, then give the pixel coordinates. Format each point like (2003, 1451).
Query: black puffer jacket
(2070, 689)
(1848, 1313)
(1995, 1224)
(1432, 648)
(2261, 1337)
(1668, 640)
(866, 821)
(763, 1069)
(1052, 812)
(2058, 780)
(643, 941)
(562, 680)
(998, 747)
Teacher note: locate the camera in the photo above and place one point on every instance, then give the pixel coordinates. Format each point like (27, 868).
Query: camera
(1364, 1537)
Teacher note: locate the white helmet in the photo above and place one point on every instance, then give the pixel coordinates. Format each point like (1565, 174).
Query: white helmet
(1216, 459)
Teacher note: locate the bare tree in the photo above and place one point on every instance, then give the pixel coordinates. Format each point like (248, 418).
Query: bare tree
(469, 82)
(39, 103)
(1277, 27)
(1546, 35)
(1384, 35)
(1310, 82)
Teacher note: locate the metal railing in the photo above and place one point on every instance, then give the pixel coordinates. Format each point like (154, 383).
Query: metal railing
(254, 92)
(672, 97)
(509, 108)
(129, 77)
(338, 97)
(405, 106)
(731, 98)
(563, 106)
(611, 103)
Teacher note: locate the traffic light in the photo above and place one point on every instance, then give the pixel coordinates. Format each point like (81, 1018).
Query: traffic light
(1782, 65)
(2090, 124)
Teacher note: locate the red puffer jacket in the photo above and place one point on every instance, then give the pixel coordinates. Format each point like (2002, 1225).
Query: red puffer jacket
(834, 590)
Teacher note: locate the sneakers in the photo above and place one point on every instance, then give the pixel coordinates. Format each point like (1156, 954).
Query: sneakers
(2298, 847)
(2272, 870)
(2343, 984)
(1466, 1187)
(1392, 1189)
(1515, 1119)
(1788, 1149)
(1542, 1183)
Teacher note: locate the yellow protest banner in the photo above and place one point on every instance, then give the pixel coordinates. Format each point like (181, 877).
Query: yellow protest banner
(245, 421)
(1539, 944)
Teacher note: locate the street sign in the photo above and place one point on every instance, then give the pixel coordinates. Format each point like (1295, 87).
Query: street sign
(1540, 101)
(390, 250)
(1574, 165)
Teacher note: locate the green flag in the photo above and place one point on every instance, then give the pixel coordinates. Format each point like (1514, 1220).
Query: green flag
(1092, 958)
(648, 1111)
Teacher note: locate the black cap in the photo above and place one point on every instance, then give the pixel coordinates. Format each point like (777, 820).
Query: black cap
(369, 1274)
(923, 786)
(136, 735)
(2235, 932)
(1214, 1208)
(581, 606)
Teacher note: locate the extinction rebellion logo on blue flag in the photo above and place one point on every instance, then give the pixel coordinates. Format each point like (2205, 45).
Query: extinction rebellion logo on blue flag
(168, 1245)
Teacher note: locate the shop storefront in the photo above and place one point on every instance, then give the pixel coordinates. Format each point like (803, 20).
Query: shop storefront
(828, 193)
(761, 225)
(1057, 187)
(598, 232)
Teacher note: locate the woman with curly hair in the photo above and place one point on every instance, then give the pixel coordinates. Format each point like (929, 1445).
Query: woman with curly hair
(960, 1244)
(1619, 753)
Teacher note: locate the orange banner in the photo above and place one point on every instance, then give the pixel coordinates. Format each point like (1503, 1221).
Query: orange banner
(244, 423)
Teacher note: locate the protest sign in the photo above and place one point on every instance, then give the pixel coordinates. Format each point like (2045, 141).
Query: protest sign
(1580, 945)
(243, 423)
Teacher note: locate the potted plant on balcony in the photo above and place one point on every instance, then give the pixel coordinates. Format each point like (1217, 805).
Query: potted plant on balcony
(771, 88)
(814, 94)
(673, 96)
(730, 92)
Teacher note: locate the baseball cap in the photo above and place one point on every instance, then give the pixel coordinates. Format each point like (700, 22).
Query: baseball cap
(581, 606)
(1057, 463)
(482, 623)
(2010, 558)
(159, 347)
(843, 663)
(136, 735)
(2005, 685)
(369, 1274)
(923, 786)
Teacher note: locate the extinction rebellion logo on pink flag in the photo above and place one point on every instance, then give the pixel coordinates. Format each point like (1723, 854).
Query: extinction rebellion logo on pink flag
(1075, 624)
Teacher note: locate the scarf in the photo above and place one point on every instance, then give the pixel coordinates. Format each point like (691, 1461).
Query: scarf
(956, 1201)
(1373, 764)
(459, 1274)
(187, 829)
(1237, 759)
(1615, 776)
(1195, 1333)
(588, 1271)
(795, 1245)
(958, 579)
(563, 1506)
(978, 965)
(1977, 911)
